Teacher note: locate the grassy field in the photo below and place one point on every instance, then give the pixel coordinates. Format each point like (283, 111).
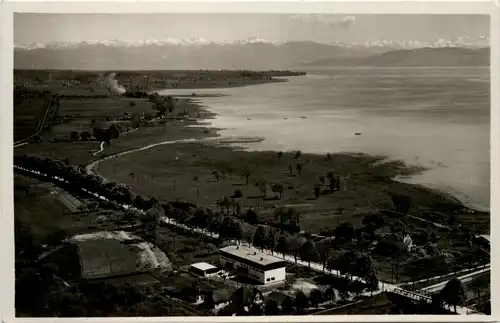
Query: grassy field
(67, 81)
(185, 171)
(45, 214)
(27, 115)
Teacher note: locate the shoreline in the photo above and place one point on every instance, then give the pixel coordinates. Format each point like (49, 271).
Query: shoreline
(217, 141)
(461, 197)
(201, 128)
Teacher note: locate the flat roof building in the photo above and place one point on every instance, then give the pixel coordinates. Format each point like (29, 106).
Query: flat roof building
(254, 264)
(203, 269)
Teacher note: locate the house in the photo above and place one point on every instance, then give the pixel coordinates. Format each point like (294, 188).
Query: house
(483, 241)
(253, 264)
(244, 301)
(216, 299)
(203, 269)
(408, 242)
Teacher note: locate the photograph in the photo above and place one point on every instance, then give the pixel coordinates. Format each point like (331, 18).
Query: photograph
(177, 164)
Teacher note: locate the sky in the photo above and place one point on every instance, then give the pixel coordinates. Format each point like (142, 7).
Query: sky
(30, 28)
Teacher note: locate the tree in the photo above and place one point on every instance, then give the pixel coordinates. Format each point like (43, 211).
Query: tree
(421, 237)
(454, 293)
(301, 302)
(372, 283)
(309, 252)
(316, 297)
(272, 239)
(85, 135)
(113, 131)
(217, 175)
(329, 294)
(74, 135)
(226, 203)
(324, 253)
(398, 227)
(345, 231)
(233, 228)
(333, 181)
(261, 237)
(402, 203)
(451, 220)
(282, 246)
(271, 307)
(295, 245)
(479, 284)
(201, 218)
(364, 266)
(290, 281)
(299, 169)
(343, 294)
(56, 237)
(287, 305)
(372, 222)
(246, 172)
(252, 216)
(262, 185)
(316, 190)
(237, 194)
(278, 188)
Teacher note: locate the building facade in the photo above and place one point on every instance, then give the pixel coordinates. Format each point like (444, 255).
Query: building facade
(249, 262)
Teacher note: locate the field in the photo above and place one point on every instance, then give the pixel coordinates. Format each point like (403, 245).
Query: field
(146, 80)
(46, 216)
(186, 172)
(27, 115)
(209, 172)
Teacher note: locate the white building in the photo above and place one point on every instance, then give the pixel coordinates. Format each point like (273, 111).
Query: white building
(203, 269)
(254, 264)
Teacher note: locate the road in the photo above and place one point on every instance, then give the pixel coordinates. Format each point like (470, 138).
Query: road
(468, 270)
(465, 278)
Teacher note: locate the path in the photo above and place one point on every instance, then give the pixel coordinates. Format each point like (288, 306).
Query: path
(465, 278)
(468, 270)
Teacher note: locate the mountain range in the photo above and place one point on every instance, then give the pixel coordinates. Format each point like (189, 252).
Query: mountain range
(249, 54)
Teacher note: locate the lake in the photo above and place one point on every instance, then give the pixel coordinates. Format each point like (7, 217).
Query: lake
(435, 117)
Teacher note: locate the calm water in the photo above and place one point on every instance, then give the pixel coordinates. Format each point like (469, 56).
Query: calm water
(438, 118)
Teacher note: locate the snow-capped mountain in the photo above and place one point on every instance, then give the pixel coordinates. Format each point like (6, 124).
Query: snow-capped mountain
(138, 43)
(199, 53)
(464, 41)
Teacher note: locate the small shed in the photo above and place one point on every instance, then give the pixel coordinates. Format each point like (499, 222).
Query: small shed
(203, 269)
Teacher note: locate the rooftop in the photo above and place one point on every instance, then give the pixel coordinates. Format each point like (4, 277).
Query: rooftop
(203, 266)
(485, 236)
(251, 254)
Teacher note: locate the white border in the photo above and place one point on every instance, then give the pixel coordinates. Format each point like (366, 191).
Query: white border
(130, 6)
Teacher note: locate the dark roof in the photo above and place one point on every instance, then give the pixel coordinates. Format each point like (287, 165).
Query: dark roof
(245, 295)
(221, 296)
(277, 296)
(105, 257)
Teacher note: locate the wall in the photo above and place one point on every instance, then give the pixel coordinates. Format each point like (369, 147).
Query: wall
(278, 274)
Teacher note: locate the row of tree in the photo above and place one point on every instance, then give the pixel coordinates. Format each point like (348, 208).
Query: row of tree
(228, 227)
